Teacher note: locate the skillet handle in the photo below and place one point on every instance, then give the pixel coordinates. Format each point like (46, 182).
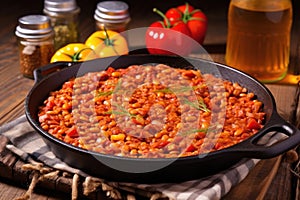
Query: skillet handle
(250, 148)
(41, 72)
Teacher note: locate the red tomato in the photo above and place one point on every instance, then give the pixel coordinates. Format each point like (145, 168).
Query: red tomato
(197, 24)
(174, 15)
(196, 21)
(164, 38)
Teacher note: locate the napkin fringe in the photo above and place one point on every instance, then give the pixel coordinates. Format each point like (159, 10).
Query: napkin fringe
(90, 184)
(29, 192)
(40, 172)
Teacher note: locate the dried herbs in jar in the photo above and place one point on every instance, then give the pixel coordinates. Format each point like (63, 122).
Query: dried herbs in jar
(64, 19)
(36, 43)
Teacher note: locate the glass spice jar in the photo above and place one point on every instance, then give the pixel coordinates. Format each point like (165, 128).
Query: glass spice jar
(64, 19)
(112, 15)
(36, 42)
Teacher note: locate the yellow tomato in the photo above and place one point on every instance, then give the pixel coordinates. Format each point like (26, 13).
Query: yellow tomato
(107, 43)
(74, 52)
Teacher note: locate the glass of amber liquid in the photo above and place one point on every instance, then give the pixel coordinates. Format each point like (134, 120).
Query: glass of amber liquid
(258, 40)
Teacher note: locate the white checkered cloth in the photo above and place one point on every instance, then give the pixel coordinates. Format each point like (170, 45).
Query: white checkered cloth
(28, 144)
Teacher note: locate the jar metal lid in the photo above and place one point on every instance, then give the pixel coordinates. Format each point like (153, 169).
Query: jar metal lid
(34, 26)
(112, 12)
(60, 6)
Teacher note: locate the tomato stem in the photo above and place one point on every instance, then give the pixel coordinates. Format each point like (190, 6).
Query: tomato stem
(109, 42)
(76, 57)
(167, 21)
(186, 15)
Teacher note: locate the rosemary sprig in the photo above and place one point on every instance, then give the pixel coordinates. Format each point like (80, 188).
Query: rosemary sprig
(204, 130)
(118, 86)
(107, 93)
(199, 104)
(120, 111)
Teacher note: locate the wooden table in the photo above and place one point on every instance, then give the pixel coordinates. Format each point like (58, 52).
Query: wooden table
(270, 179)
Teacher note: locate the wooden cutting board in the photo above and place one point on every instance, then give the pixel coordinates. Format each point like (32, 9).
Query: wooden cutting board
(11, 168)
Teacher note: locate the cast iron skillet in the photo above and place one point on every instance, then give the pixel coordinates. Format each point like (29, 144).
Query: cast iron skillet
(173, 170)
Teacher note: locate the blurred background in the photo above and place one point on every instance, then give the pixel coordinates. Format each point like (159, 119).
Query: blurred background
(141, 16)
(140, 11)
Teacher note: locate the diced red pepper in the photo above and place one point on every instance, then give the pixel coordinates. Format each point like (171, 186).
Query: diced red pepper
(110, 70)
(253, 124)
(190, 148)
(72, 132)
(50, 104)
(160, 144)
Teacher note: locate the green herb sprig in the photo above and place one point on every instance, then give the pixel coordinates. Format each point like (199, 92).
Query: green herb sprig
(185, 133)
(107, 93)
(199, 104)
(121, 111)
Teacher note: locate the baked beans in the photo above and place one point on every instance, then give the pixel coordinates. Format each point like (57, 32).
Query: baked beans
(151, 112)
